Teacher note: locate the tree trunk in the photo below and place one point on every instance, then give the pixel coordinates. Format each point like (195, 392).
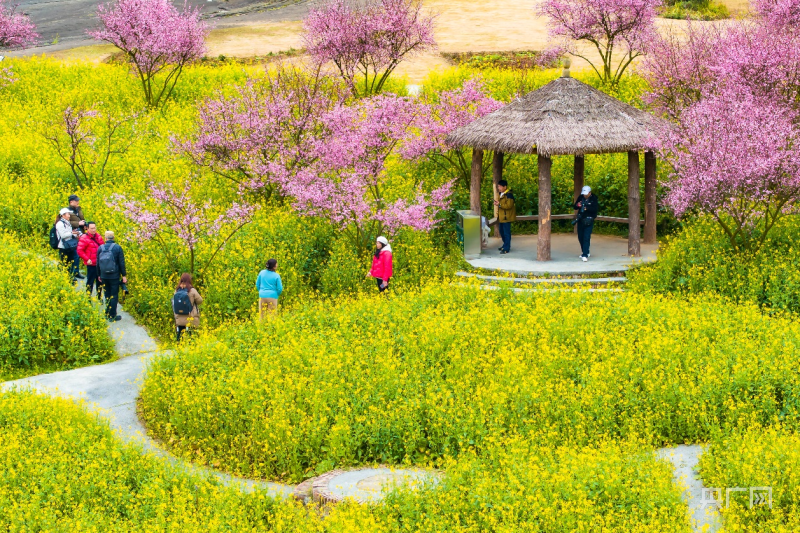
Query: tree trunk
(577, 178)
(543, 241)
(475, 181)
(650, 198)
(497, 175)
(634, 205)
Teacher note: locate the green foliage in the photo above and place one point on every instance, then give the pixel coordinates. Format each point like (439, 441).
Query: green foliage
(700, 259)
(46, 323)
(435, 373)
(696, 10)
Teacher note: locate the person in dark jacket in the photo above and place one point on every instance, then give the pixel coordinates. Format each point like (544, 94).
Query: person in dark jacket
(506, 214)
(88, 244)
(111, 264)
(587, 207)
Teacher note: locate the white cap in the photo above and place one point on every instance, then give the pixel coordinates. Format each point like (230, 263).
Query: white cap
(63, 211)
(586, 190)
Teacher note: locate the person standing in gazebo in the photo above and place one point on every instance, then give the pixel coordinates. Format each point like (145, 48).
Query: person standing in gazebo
(506, 214)
(587, 207)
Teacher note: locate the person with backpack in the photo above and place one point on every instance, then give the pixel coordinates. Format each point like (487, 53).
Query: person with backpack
(269, 287)
(66, 242)
(381, 263)
(506, 214)
(587, 207)
(111, 267)
(185, 304)
(88, 245)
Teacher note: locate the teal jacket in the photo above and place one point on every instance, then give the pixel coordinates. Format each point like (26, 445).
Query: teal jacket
(269, 284)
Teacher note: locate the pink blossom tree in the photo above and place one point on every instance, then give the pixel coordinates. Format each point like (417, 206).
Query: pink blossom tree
(350, 185)
(618, 29)
(168, 215)
(367, 41)
(157, 39)
(296, 134)
(16, 31)
(266, 131)
(760, 56)
(439, 116)
(736, 157)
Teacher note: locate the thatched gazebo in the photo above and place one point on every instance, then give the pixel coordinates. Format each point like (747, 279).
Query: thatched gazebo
(567, 117)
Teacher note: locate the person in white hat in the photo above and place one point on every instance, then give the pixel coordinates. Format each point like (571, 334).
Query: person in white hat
(382, 263)
(67, 242)
(587, 208)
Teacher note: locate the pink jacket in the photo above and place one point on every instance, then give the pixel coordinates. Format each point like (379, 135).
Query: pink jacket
(382, 266)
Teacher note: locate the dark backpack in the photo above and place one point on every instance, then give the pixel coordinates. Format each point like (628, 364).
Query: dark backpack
(54, 237)
(181, 303)
(107, 262)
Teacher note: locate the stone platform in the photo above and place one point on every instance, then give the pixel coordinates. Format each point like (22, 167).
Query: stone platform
(367, 485)
(609, 255)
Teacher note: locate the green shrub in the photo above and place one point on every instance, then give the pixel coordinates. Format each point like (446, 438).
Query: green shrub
(700, 259)
(46, 324)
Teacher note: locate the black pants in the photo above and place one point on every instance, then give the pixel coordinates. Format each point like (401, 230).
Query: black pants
(380, 282)
(179, 332)
(68, 260)
(112, 296)
(93, 280)
(505, 234)
(585, 236)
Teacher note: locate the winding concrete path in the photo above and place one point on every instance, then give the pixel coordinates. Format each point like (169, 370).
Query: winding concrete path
(111, 390)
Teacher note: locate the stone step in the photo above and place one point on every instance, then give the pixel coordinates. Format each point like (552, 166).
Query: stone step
(563, 282)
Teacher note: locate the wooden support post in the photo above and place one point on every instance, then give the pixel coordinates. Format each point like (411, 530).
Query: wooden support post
(475, 181)
(634, 205)
(650, 198)
(578, 175)
(497, 175)
(543, 249)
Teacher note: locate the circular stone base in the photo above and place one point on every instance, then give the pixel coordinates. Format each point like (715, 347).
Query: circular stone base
(368, 485)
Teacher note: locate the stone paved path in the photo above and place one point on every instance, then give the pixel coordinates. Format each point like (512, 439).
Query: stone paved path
(111, 389)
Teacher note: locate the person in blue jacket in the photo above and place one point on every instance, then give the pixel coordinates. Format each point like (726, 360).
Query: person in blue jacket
(270, 287)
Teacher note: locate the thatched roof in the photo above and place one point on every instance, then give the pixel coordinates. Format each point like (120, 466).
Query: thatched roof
(565, 117)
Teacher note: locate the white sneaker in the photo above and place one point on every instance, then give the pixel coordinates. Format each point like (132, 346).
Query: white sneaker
(584, 259)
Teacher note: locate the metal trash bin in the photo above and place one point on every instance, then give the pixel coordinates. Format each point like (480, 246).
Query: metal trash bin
(468, 228)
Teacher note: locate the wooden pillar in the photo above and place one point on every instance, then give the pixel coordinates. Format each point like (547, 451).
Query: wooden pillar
(543, 248)
(634, 205)
(578, 175)
(497, 175)
(475, 181)
(649, 198)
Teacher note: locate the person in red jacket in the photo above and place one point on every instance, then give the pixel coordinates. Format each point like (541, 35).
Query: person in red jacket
(382, 263)
(87, 250)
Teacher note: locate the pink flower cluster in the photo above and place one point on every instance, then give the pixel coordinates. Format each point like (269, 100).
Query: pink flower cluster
(16, 29)
(177, 213)
(366, 41)
(735, 94)
(732, 151)
(449, 110)
(312, 145)
(153, 31)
